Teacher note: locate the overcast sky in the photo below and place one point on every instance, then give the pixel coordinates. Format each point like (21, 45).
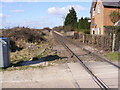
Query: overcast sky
(39, 14)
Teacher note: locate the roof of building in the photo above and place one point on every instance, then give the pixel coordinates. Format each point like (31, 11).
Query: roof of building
(111, 4)
(115, 4)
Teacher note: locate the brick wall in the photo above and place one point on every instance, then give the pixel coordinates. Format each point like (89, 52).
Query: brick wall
(102, 19)
(99, 17)
(107, 11)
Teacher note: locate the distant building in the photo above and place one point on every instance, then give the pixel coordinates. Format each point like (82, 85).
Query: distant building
(100, 12)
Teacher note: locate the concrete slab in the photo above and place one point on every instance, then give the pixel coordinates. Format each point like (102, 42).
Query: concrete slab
(83, 78)
(53, 83)
(106, 72)
(51, 77)
(70, 75)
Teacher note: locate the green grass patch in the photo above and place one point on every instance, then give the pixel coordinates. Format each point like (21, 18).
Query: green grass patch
(113, 56)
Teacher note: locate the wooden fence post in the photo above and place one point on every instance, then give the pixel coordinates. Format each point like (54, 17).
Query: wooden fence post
(83, 38)
(119, 47)
(113, 43)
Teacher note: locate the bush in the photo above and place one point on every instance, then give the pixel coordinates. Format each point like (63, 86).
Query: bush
(86, 31)
(59, 28)
(114, 16)
(19, 36)
(68, 28)
(14, 47)
(26, 34)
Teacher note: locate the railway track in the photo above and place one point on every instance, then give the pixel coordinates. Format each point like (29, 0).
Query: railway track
(64, 42)
(92, 53)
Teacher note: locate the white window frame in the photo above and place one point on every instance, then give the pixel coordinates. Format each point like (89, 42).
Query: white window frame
(98, 31)
(93, 30)
(99, 9)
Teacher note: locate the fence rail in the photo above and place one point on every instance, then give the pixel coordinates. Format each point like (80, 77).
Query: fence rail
(106, 42)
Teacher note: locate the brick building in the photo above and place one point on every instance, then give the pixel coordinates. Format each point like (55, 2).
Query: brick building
(100, 11)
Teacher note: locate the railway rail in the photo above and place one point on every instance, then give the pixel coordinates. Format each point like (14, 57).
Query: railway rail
(95, 54)
(62, 40)
(92, 53)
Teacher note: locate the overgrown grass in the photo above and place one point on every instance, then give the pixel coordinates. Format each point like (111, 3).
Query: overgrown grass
(25, 58)
(28, 54)
(25, 55)
(115, 56)
(16, 63)
(23, 67)
(45, 53)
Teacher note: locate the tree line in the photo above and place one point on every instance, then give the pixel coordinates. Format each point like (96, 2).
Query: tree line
(72, 23)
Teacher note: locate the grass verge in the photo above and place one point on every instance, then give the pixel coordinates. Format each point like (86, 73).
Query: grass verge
(114, 56)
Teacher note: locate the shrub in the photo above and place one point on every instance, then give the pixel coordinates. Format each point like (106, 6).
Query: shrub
(86, 31)
(114, 16)
(19, 36)
(26, 34)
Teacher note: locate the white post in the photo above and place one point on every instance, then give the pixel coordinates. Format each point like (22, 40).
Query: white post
(113, 43)
(83, 38)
